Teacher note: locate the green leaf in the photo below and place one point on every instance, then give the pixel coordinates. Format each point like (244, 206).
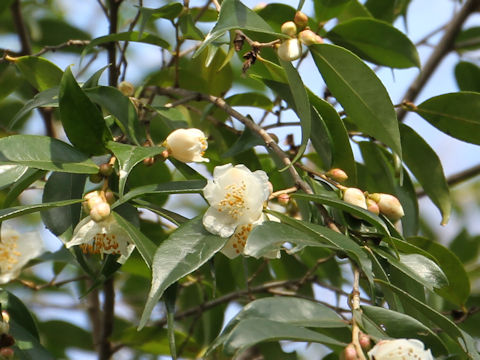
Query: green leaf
(468, 39)
(234, 15)
(9, 80)
(185, 250)
(27, 179)
(426, 166)
(18, 312)
(328, 9)
(382, 9)
(10, 174)
(173, 187)
(455, 114)
(360, 92)
(302, 105)
(467, 76)
(121, 107)
(42, 99)
(16, 211)
(144, 245)
(376, 41)
(42, 152)
(81, 119)
(58, 336)
(63, 186)
(250, 99)
(132, 36)
(39, 72)
(169, 11)
(128, 156)
(247, 140)
(458, 289)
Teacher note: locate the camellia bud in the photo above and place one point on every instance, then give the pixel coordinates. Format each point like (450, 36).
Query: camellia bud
(283, 199)
(388, 205)
(301, 19)
(372, 206)
(187, 145)
(100, 212)
(126, 88)
(95, 178)
(7, 353)
(106, 170)
(109, 196)
(308, 37)
(355, 196)
(349, 353)
(364, 341)
(94, 201)
(149, 161)
(337, 175)
(290, 50)
(289, 28)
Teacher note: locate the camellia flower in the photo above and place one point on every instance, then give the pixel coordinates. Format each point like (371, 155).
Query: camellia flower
(187, 145)
(16, 250)
(236, 197)
(408, 349)
(102, 237)
(290, 50)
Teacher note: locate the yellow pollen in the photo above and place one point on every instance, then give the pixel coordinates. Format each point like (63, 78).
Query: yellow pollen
(234, 200)
(102, 243)
(8, 254)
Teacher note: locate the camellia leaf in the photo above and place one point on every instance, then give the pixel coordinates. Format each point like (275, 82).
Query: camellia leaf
(16, 211)
(455, 114)
(360, 92)
(39, 72)
(11, 173)
(43, 152)
(467, 75)
(424, 163)
(250, 99)
(81, 119)
(234, 15)
(376, 41)
(169, 11)
(27, 179)
(185, 250)
(128, 156)
(45, 98)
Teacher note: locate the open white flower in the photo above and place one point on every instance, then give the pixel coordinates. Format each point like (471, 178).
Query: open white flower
(16, 250)
(102, 237)
(408, 349)
(236, 196)
(187, 145)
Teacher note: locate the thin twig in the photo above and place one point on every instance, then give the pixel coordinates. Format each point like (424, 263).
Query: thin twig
(22, 30)
(355, 304)
(68, 43)
(93, 310)
(123, 51)
(105, 348)
(52, 283)
(114, 6)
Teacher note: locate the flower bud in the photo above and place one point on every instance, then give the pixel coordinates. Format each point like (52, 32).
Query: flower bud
(364, 341)
(283, 199)
(289, 28)
(187, 145)
(126, 88)
(400, 349)
(301, 19)
(100, 212)
(110, 196)
(355, 196)
(388, 205)
(337, 175)
(372, 206)
(106, 170)
(7, 353)
(94, 201)
(149, 161)
(308, 37)
(95, 178)
(290, 50)
(349, 353)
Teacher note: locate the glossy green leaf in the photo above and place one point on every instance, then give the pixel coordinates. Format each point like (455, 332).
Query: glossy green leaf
(39, 72)
(9, 80)
(250, 99)
(122, 108)
(360, 92)
(455, 114)
(458, 289)
(42, 99)
(55, 30)
(465, 246)
(128, 156)
(132, 36)
(16, 211)
(169, 11)
(18, 312)
(44, 153)
(188, 28)
(234, 15)
(468, 39)
(327, 9)
(63, 186)
(82, 121)
(382, 9)
(185, 250)
(27, 179)
(467, 75)
(11, 173)
(247, 140)
(376, 41)
(58, 336)
(425, 165)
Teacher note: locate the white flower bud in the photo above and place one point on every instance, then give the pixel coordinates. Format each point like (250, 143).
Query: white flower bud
(301, 19)
(400, 349)
(355, 196)
(337, 175)
(372, 206)
(308, 37)
(126, 88)
(349, 353)
(290, 50)
(100, 211)
(187, 145)
(289, 28)
(388, 205)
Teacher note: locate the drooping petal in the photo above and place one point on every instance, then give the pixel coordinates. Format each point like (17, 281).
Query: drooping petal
(400, 349)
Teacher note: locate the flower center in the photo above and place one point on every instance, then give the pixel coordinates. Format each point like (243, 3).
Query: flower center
(8, 253)
(234, 202)
(101, 243)
(240, 238)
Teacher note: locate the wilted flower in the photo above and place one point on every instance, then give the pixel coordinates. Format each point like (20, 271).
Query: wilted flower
(290, 50)
(102, 237)
(355, 196)
(16, 250)
(187, 145)
(236, 196)
(408, 349)
(388, 205)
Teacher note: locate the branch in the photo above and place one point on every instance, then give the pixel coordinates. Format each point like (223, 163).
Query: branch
(355, 304)
(105, 347)
(444, 46)
(114, 5)
(68, 43)
(21, 28)
(93, 310)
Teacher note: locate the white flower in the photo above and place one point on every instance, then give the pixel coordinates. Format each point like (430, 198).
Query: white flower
(102, 237)
(355, 196)
(407, 349)
(290, 50)
(187, 145)
(16, 250)
(236, 243)
(236, 196)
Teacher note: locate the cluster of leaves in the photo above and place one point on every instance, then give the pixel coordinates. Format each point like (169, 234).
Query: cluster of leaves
(410, 282)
